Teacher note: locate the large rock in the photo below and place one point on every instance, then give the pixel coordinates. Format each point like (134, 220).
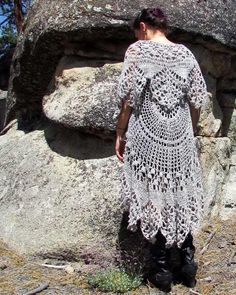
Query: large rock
(82, 92)
(54, 28)
(60, 188)
(59, 192)
(228, 203)
(215, 157)
(81, 95)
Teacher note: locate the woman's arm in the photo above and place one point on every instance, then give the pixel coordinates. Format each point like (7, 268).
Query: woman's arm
(123, 119)
(121, 128)
(197, 93)
(195, 115)
(126, 95)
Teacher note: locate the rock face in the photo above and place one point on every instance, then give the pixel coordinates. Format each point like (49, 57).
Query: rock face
(60, 187)
(54, 29)
(215, 156)
(228, 203)
(82, 95)
(60, 183)
(53, 196)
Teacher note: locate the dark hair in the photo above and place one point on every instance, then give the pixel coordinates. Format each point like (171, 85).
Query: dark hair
(154, 17)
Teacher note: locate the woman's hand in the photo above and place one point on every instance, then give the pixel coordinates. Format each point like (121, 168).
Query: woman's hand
(120, 147)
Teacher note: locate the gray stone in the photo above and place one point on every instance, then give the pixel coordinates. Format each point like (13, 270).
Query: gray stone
(59, 185)
(215, 161)
(59, 192)
(60, 188)
(228, 204)
(53, 28)
(82, 95)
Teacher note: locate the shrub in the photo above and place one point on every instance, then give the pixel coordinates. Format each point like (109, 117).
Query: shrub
(114, 280)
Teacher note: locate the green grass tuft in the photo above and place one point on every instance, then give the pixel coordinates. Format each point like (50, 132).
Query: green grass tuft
(114, 280)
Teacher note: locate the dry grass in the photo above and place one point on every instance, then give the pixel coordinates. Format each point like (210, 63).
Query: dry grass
(216, 273)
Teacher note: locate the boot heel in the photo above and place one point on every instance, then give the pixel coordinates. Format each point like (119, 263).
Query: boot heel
(188, 275)
(160, 276)
(174, 263)
(189, 266)
(162, 281)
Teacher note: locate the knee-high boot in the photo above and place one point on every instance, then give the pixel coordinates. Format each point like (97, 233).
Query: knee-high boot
(189, 266)
(174, 263)
(161, 276)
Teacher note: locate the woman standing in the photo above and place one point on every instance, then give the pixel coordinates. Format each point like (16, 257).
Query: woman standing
(161, 90)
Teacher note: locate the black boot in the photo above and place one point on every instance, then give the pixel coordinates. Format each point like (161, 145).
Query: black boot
(189, 266)
(160, 276)
(174, 262)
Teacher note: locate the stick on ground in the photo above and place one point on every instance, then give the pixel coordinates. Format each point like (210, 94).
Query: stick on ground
(207, 242)
(37, 290)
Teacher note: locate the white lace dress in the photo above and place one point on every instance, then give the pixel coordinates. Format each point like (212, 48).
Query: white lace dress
(161, 181)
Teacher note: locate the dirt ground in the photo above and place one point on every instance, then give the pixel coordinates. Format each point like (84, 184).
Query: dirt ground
(216, 256)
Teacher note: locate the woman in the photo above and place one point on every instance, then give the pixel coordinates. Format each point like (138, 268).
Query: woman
(161, 91)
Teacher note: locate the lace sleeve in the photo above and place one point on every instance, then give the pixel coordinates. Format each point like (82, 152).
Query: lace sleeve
(126, 79)
(197, 94)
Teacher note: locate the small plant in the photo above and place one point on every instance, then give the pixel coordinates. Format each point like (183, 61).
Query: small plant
(114, 280)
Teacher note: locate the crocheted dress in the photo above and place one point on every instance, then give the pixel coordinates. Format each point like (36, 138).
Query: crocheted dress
(161, 180)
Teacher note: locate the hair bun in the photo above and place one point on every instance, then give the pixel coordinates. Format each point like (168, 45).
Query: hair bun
(157, 12)
(154, 17)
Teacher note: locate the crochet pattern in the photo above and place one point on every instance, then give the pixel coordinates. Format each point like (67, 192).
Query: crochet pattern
(161, 181)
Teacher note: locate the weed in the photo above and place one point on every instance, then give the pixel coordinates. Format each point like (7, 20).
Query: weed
(114, 280)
